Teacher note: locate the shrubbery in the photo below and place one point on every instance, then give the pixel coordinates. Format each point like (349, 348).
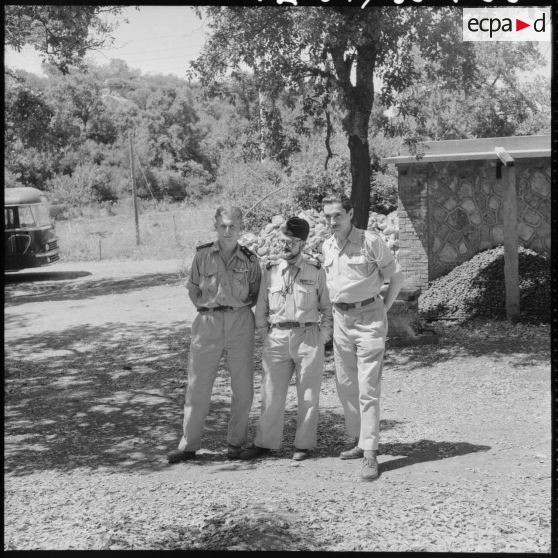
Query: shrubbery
(383, 193)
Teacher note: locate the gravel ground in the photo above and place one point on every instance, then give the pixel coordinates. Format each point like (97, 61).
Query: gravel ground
(94, 388)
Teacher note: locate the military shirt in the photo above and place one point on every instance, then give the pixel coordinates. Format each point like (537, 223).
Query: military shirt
(232, 283)
(296, 292)
(357, 270)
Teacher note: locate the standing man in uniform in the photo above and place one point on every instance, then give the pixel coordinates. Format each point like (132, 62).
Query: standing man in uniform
(223, 286)
(357, 263)
(293, 296)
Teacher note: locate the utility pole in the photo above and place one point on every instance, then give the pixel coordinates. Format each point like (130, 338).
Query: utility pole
(134, 196)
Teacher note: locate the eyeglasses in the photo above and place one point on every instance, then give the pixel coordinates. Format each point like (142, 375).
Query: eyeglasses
(288, 242)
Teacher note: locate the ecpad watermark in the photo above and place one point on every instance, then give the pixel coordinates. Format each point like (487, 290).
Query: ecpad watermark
(506, 24)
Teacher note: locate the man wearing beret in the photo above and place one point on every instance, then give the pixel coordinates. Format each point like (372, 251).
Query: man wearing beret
(357, 263)
(294, 313)
(223, 286)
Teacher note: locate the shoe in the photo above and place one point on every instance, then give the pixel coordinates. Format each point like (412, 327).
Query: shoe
(233, 452)
(252, 452)
(301, 454)
(369, 471)
(354, 453)
(180, 455)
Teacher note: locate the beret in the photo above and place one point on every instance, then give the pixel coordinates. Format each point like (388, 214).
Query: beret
(297, 227)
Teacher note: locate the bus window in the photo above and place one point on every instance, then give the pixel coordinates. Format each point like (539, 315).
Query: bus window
(40, 212)
(26, 220)
(9, 218)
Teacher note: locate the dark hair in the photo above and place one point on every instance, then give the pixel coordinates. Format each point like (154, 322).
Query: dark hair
(344, 200)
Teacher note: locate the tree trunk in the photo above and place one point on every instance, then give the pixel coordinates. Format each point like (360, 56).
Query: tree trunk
(360, 173)
(358, 100)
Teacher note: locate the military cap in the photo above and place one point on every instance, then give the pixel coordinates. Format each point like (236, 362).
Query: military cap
(297, 227)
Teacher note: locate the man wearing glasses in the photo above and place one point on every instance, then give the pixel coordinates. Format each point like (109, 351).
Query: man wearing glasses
(294, 313)
(223, 286)
(357, 263)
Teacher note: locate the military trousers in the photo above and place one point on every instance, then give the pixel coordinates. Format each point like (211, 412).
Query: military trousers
(212, 334)
(359, 337)
(287, 351)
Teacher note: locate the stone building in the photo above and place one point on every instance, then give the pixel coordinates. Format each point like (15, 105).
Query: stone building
(451, 202)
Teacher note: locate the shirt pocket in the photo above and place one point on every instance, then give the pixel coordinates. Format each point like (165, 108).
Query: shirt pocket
(356, 267)
(209, 279)
(239, 285)
(328, 264)
(275, 297)
(305, 296)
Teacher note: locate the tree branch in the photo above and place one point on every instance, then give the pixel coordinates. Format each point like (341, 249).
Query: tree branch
(327, 138)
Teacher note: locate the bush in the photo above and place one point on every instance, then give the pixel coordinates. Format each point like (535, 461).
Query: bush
(383, 193)
(312, 185)
(476, 288)
(247, 185)
(189, 180)
(11, 179)
(88, 183)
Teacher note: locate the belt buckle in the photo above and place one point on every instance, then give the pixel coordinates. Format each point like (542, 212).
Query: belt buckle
(343, 305)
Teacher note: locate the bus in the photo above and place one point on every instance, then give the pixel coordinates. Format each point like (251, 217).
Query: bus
(29, 237)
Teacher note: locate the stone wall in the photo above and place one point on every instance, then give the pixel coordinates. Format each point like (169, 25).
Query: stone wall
(450, 211)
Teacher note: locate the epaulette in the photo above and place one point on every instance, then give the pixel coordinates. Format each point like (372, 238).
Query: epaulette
(204, 245)
(248, 253)
(312, 260)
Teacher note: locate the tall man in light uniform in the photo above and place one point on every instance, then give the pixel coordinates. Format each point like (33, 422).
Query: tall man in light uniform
(294, 314)
(357, 263)
(223, 286)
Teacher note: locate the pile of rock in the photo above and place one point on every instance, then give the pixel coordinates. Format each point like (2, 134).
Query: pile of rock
(265, 243)
(477, 288)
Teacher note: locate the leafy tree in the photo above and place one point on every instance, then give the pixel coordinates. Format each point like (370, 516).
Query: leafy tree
(80, 94)
(344, 49)
(498, 103)
(61, 34)
(27, 117)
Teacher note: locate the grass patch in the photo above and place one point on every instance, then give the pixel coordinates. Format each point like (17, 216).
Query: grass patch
(166, 231)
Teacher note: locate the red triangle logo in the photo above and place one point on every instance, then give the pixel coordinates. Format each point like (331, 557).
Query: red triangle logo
(519, 25)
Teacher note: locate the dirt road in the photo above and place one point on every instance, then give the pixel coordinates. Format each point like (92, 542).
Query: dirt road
(95, 360)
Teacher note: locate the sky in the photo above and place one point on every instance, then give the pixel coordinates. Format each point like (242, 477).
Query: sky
(157, 40)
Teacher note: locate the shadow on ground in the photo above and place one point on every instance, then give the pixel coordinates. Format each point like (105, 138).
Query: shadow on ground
(516, 351)
(113, 396)
(98, 396)
(31, 276)
(424, 450)
(25, 292)
(258, 527)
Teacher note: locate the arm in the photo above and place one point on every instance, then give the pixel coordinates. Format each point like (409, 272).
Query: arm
(194, 291)
(395, 284)
(254, 282)
(324, 305)
(262, 306)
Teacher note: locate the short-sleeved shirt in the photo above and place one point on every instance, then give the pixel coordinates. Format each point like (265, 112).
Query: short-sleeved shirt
(294, 293)
(357, 270)
(232, 283)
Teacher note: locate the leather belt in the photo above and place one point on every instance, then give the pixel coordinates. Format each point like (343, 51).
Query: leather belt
(349, 305)
(290, 325)
(216, 309)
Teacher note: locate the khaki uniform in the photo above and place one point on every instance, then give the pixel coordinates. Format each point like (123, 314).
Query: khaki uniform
(234, 283)
(292, 293)
(356, 272)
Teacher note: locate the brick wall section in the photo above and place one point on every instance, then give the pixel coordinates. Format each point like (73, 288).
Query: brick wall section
(413, 229)
(448, 212)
